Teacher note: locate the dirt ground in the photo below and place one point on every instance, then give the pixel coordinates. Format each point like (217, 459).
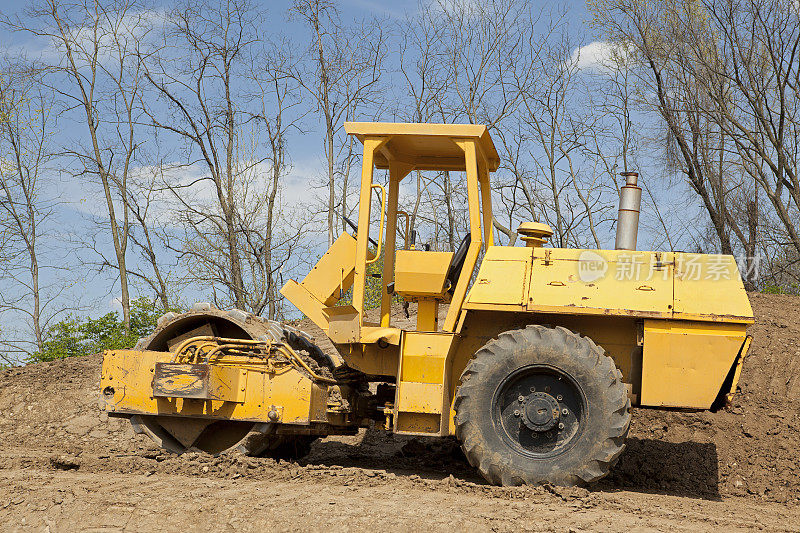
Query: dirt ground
(65, 466)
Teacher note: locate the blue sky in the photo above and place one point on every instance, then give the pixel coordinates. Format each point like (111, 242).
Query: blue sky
(99, 292)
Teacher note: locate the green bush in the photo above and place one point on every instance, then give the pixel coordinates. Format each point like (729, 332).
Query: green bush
(792, 288)
(76, 336)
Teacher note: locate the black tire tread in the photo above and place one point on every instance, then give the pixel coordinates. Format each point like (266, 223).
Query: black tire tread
(491, 464)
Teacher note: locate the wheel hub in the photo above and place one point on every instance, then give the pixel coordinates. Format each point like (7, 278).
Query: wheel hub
(540, 412)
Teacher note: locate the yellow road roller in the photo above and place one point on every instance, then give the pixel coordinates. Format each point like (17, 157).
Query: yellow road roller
(539, 355)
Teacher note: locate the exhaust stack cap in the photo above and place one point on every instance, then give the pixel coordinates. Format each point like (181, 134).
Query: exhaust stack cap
(534, 234)
(630, 199)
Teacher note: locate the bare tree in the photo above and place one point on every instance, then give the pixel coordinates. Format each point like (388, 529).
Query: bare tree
(215, 101)
(614, 142)
(27, 210)
(148, 232)
(95, 75)
(425, 84)
(489, 50)
(339, 76)
(726, 74)
(481, 43)
(751, 76)
(277, 240)
(192, 74)
(547, 150)
(667, 40)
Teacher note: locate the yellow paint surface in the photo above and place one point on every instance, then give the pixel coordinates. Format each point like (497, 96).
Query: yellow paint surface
(685, 363)
(611, 282)
(420, 273)
(418, 424)
(420, 397)
(499, 282)
(130, 373)
(710, 285)
(426, 146)
(333, 271)
(424, 379)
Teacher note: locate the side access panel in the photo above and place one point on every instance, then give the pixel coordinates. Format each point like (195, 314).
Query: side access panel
(601, 282)
(709, 288)
(422, 403)
(502, 280)
(685, 363)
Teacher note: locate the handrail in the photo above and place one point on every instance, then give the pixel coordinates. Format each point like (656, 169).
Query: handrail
(408, 223)
(383, 216)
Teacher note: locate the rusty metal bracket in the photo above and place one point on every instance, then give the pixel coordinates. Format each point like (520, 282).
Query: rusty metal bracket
(198, 382)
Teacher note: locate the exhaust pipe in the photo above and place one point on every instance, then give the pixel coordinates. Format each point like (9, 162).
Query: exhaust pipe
(630, 199)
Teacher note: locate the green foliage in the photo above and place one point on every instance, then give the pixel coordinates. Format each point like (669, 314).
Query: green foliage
(792, 288)
(372, 287)
(75, 336)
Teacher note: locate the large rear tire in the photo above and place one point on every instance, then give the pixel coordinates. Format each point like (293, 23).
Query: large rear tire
(542, 405)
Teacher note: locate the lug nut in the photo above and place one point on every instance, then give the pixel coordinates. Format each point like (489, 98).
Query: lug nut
(516, 412)
(521, 398)
(561, 425)
(559, 397)
(564, 412)
(533, 389)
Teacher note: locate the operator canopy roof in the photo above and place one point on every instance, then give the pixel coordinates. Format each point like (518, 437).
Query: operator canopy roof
(426, 146)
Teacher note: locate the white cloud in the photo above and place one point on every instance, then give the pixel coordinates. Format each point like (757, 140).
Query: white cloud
(470, 8)
(115, 304)
(131, 27)
(599, 56)
(86, 196)
(298, 185)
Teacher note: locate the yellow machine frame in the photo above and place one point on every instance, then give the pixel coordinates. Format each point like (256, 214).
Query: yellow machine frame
(664, 333)
(662, 327)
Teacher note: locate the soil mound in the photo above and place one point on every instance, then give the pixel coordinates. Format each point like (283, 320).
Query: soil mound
(50, 419)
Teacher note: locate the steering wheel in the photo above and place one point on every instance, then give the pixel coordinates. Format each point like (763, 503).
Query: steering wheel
(457, 262)
(355, 230)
